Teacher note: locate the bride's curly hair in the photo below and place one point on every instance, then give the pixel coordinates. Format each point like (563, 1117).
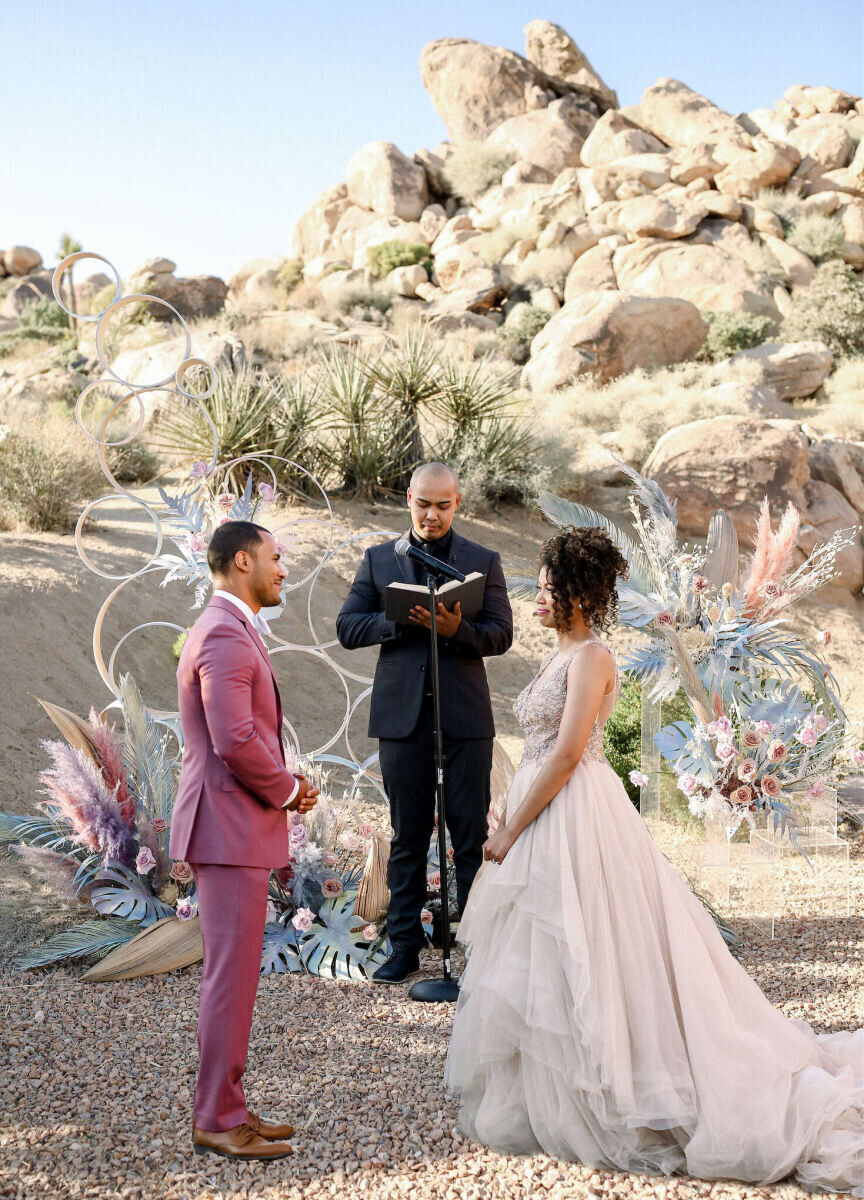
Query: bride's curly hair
(582, 566)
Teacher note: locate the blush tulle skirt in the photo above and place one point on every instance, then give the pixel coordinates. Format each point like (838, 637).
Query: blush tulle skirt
(602, 1019)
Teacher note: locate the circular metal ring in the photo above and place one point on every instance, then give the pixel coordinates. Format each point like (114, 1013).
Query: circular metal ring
(130, 392)
(85, 558)
(115, 307)
(64, 266)
(196, 362)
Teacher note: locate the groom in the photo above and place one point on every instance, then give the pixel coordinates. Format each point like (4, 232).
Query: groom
(402, 718)
(230, 824)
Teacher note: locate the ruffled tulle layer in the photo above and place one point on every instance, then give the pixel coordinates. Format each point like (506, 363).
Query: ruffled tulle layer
(601, 1017)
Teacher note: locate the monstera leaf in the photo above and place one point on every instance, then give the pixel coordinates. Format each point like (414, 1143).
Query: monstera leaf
(675, 744)
(335, 946)
(281, 951)
(116, 891)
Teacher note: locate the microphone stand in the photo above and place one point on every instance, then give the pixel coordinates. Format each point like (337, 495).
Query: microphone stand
(446, 988)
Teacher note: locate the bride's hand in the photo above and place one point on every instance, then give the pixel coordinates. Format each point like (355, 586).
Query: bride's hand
(497, 847)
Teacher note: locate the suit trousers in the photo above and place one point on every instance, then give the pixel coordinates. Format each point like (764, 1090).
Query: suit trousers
(232, 904)
(408, 770)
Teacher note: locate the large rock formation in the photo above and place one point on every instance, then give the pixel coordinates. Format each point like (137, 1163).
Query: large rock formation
(550, 138)
(192, 296)
(551, 49)
(382, 179)
(606, 334)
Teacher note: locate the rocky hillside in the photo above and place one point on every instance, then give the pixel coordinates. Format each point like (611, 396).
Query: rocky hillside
(600, 241)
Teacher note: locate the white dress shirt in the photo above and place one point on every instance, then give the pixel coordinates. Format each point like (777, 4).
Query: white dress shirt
(260, 626)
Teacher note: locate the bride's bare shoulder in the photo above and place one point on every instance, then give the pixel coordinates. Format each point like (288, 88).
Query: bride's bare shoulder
(595, 657)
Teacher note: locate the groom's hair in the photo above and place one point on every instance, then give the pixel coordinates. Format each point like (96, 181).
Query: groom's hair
(227, 540)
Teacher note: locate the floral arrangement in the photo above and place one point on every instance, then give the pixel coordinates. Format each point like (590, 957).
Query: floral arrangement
(757, 743)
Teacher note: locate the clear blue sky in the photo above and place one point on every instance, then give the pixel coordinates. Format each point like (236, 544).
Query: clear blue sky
(201, 131)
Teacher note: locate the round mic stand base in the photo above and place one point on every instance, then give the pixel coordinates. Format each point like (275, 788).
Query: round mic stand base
(434, 991)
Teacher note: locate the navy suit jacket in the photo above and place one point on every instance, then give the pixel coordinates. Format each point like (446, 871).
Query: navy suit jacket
(401, 673)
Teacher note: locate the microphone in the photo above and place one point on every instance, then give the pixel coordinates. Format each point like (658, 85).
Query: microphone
(433, 564)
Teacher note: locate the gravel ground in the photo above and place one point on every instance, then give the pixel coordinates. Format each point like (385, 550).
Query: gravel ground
(96, 1083)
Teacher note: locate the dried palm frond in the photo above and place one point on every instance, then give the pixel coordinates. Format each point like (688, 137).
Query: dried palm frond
(144, 752)
(167, 945)
(373, 895)
(91, 937)
(75, 729)
(721, 559)
(693, 686)
(568, 512)
(659, 510)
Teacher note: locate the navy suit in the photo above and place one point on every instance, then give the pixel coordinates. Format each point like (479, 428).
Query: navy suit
(401, 718)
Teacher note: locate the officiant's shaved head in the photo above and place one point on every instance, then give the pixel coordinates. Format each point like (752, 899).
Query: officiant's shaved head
(433, 497)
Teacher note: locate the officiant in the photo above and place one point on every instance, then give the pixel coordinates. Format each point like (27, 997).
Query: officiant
(401, 715)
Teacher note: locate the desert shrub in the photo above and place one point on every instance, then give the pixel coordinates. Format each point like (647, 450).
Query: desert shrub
(473, 167)
(548, 268)
(135, 462)
(817, 236)
(837, 411)
(493, 246)
(622, 737)
(729, 332)
(47, 469)
(387, 256)
(516, 336)
(639, 407)
(356, 301)
(289, 275)
(42, 321)
(766, 270)
(786, 205)
(830, 310)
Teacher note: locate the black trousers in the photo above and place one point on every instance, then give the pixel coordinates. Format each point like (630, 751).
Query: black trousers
(408, 770)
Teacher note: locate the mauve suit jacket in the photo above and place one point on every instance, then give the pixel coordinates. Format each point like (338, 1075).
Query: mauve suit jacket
(234, 782)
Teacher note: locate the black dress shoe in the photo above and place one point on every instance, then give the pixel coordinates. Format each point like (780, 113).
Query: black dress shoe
(401, 965)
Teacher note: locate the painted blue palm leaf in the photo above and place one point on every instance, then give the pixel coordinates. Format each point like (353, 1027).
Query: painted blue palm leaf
(659, 508)
(335, 946)
(281, 951)
(116, 891)
(185, 510)
(43, 832)
(645, 661)
(145, 754)
(95, 937)
(636, 609)
(678, 745)
(567, 512)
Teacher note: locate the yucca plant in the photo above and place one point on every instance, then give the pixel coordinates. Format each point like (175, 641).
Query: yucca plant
(299, 427)
(410, 375)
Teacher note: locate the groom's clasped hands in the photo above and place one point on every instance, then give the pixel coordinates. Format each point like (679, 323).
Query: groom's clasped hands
(306, 798)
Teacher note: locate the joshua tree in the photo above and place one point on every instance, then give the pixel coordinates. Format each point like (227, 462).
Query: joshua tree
(69, 245)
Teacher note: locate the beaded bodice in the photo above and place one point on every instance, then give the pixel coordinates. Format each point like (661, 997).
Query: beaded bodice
(540, 707)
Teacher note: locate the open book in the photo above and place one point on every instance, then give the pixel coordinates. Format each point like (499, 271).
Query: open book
(400, 598)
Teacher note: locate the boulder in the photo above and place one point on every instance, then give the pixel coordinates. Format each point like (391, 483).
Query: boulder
(708, 276)
(592, 272)
(238, 281)
(224, 351)
(761, 220)
(434, 163)
(513, 205)
(660, 216)
(679, 116)
(716, 205)
(475, 88)
(261, 289)
(827, 512)
(768, 164)
(432, 221)
(754, 397)
(614, 137)
(823, 145)
(730, 462)
(551, 49)
(792, 369)
(525, 172)
(25, 293)
(550, 138)
(767, 121)
(192, 295)
(825, 203)
(312, 233)
(455, 232)
(454, 264)
(21, 260)
(801, 101)
(846, 179)
(832, 461)
(688, 163)
(45, 388)
(380, 177)
(404, 280)
(604, 183)
(606, 334)
(455, 322)
(797, 267)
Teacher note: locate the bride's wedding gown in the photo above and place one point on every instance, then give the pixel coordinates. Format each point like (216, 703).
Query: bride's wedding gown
(601, 1017)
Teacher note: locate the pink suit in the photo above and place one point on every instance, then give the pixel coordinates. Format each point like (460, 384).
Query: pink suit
(230, 825)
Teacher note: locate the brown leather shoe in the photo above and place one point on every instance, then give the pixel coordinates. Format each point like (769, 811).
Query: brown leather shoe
(270, 1133)
(241, 1142)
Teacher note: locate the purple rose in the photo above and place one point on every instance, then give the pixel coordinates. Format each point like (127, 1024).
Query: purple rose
(186, 910)
(145, 862)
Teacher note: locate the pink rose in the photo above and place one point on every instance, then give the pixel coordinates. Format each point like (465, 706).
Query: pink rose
(433, 881)
(267, 492)
(770, 785)
(771, 591)
(820, 722)
(777, 751)
(351, 842)
(158, 824)
(765, 728)
(751, 739)
(331, 859)
(226, 500)
(726, 751)
(195, 543)
(815, 790)
(299, 835)
(824, 636)
(807, 736)
(700, 585)
(687, 783)
(181, 871)
(302, 919)
(747, 770)
(370, 933)
(638, 779)
(331, 888)
(145, 862)
(723, 725)
(856, 756)
(426, 917)
(199, 470)
(367, 829)
(224, 520)
(272, 913)
(185, 909)
(742, 795)
(664, 618)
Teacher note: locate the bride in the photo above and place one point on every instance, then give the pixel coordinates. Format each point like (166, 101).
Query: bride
(601, 1017)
